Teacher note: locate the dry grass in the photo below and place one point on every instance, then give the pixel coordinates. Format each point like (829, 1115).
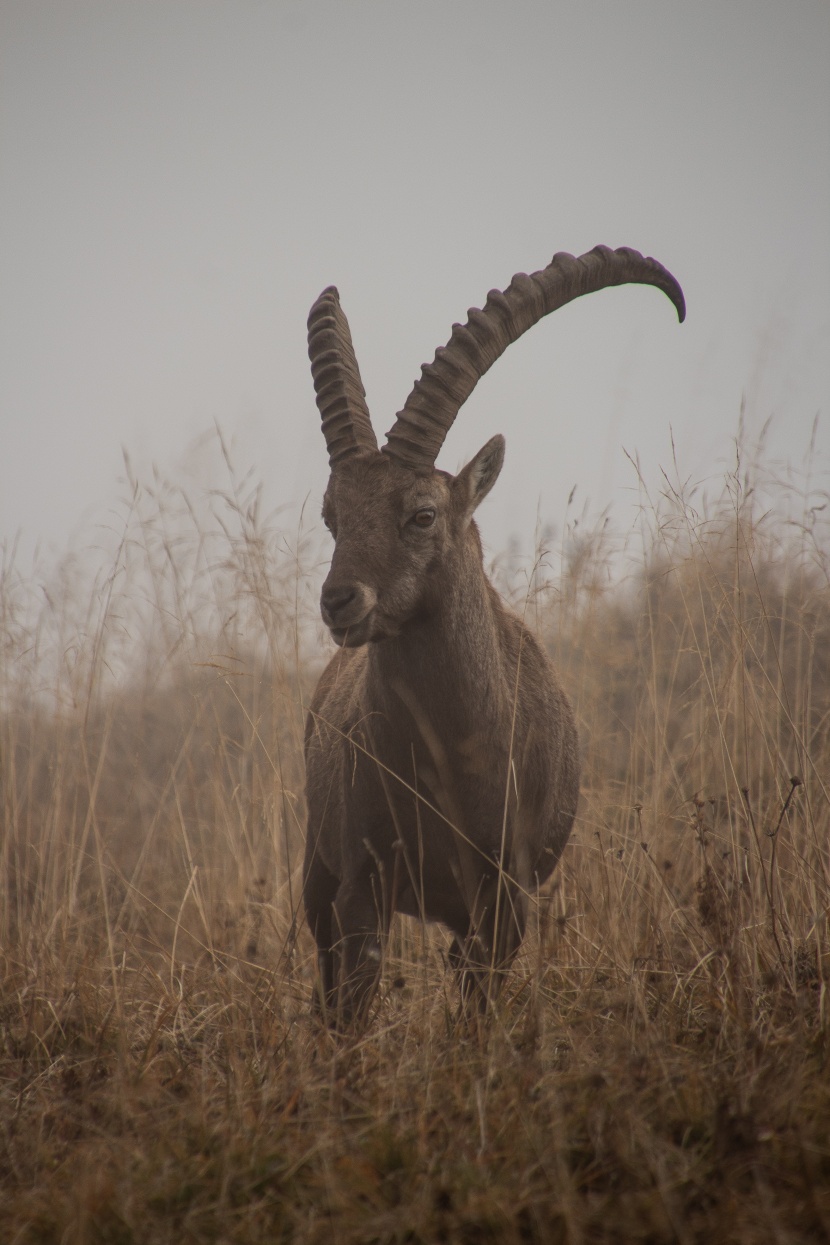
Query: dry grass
(658, 1068)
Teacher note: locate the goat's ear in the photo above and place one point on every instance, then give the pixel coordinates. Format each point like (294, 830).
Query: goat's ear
(473, 482)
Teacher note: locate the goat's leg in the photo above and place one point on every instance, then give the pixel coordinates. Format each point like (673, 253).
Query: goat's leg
(467, 968)
(482, 955)
(319, 890)
(359, 927)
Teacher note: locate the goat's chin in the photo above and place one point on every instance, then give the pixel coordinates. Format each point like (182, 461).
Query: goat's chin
(370, 630)
(347, 637)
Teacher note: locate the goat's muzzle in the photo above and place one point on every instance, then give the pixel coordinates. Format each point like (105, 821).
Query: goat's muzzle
(346, 609)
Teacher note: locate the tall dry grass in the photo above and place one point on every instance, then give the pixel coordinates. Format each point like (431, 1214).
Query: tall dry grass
(657, 1069)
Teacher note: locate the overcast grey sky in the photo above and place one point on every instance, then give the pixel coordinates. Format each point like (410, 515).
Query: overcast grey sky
(179, 180)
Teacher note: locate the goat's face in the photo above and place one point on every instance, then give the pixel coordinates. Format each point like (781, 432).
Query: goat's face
(397, 533)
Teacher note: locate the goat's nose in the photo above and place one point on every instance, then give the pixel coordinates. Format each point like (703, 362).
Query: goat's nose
(336, 598)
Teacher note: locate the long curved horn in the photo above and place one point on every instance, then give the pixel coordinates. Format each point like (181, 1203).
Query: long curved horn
(341, 398)
(447, 382)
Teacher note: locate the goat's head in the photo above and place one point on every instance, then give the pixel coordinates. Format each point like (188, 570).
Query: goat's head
(398, 534)
(398, 523)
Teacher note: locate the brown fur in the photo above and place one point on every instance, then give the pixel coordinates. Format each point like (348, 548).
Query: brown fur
(441, 752)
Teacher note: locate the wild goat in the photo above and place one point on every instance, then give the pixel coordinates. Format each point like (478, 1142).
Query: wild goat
(441, 752)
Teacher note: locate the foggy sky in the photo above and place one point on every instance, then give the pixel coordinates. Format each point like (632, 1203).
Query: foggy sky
(179, 180)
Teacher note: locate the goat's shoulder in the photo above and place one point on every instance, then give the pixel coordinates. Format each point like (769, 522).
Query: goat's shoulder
(529, 666)
(519, 641)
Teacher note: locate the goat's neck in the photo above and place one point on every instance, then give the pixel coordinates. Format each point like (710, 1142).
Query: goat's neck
(451, 659)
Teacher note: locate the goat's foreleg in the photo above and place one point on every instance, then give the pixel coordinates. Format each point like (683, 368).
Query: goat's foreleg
(319, 890)
(359, 928)
(483, 954)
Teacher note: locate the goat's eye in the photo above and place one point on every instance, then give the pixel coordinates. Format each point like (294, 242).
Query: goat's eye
(424, 517)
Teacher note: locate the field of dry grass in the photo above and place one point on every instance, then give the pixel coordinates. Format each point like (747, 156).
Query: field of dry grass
(658, 1069)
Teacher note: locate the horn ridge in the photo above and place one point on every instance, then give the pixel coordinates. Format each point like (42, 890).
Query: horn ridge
(445, 384)
(341, 398)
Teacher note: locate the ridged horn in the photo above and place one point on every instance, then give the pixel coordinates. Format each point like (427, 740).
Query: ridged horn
(341, 398)
(447, 382)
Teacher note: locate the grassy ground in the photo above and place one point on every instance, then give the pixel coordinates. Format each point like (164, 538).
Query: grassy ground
(658, 1069)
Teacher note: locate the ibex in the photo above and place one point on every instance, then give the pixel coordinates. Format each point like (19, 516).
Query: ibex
(441, 752)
